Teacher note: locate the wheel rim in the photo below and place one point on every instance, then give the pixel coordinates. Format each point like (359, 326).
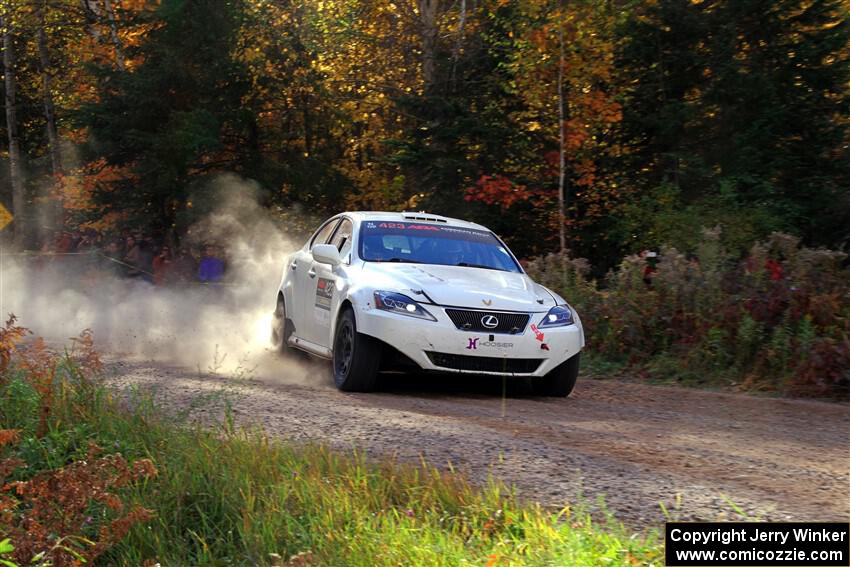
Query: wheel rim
(344, 350)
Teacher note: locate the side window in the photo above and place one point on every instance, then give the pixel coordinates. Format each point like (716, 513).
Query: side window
(342, 237)
(322, 235)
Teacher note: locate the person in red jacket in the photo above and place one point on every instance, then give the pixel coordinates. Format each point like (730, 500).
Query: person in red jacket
(774, 269)
(651, 259)
(162, 265)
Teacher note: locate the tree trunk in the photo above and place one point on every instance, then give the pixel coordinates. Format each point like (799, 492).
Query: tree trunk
(459, 41)
(428, 23)
(116, 41)
(15, 163)
(91, 12)
(562, 169)
(47, 86)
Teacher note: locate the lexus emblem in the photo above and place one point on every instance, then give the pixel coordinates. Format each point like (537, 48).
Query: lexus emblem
(490, 321)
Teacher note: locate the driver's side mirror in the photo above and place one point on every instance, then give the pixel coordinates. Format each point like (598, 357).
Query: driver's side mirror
(326, 254)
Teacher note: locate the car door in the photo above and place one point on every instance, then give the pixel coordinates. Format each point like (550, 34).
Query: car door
(304, 281)
(328, 281)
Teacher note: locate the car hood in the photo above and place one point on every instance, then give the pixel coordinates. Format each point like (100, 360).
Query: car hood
(458, 286)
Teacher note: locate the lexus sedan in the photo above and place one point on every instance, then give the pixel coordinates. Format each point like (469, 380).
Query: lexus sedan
(375, 291)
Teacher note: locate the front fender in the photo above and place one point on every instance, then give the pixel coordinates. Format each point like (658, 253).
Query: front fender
(286, 287)
(359, 296)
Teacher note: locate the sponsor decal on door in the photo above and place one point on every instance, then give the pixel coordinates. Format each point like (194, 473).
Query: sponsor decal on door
(324, 293)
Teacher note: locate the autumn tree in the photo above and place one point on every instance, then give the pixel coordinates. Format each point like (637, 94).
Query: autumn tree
(301, 121)
(9, 24)
(561, 66)
(457, 125)
(177, 116)
(362, 54)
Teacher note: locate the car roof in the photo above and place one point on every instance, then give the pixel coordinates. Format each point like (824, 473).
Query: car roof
(411, 216)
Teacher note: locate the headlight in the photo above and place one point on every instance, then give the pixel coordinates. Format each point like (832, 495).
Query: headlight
(401, 304)
(558, 316)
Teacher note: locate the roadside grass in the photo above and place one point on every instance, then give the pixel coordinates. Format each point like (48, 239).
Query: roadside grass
(222, 495)
(599, 366)
(667, 370)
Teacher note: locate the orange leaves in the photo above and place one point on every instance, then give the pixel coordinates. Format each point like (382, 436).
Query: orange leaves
(77, 188)
(10, 335)
(600, 107)
(575, 134)
(9, 436)
(586, 172)
(84, 352)
(594, 111)
(40, 365)
(55, 505)
(54, 511)
(497, 190)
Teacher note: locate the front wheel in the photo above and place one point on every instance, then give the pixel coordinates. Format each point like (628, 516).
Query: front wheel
(560, 381)
(356, 357)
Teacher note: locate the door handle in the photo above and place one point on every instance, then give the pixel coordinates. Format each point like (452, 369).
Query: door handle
(311, 273)
(294, 266)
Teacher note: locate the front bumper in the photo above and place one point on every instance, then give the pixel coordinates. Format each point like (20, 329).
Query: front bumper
(440, 346)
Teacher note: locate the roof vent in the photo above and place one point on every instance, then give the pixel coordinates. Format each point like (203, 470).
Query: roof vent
(423, 216)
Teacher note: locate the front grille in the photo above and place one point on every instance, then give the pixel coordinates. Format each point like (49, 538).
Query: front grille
(484, 363)
(466, 320)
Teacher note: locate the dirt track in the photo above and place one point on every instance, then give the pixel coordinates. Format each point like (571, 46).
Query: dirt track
(636, 444)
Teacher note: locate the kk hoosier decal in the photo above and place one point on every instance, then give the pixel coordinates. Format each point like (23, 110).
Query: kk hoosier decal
(324, 293)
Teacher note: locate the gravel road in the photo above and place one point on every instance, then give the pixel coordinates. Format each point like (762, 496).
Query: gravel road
(636, 445)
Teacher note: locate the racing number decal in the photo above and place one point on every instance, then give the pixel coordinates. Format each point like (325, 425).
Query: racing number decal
(324, 293)
(403, 226)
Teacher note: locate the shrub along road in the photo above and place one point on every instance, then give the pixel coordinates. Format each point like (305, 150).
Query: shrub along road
(636, 444)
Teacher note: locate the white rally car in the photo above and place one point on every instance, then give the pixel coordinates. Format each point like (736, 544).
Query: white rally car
(374, 290)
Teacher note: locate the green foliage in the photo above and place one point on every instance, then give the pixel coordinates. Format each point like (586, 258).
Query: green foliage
(776, 320)
(736, 106)
(663, 216)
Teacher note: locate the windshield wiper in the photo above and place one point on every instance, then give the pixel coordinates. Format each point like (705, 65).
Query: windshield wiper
(394, 260)
(468, 265)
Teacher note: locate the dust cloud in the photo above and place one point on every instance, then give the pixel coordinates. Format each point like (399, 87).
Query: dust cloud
(224, 328)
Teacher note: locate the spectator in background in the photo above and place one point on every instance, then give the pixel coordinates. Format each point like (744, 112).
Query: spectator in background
(211, 268)
(162, 266)
(112, 255)
(144, 260)
(49, 244)
(89, 241)
(651, 266)
(131, 257)
(183, 268)
(65, 242)
(89, 245)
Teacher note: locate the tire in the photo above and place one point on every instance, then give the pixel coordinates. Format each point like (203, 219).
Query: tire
(356, 357)
(281, 329)
(560, 381)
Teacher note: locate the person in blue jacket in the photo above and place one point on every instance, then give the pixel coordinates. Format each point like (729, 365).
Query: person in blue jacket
(211, 268)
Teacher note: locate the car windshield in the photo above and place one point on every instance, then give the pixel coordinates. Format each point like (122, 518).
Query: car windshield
(390, 241)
